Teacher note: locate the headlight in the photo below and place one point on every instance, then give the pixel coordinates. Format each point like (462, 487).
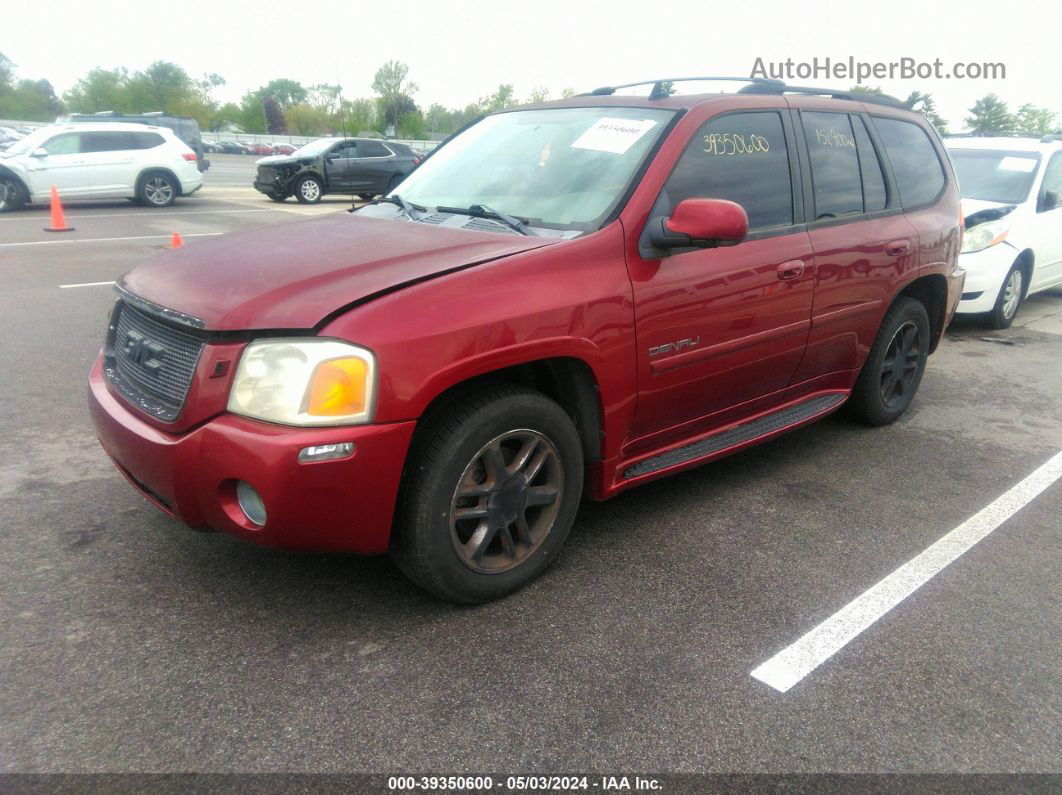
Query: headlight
(305, 382)
(984, 235)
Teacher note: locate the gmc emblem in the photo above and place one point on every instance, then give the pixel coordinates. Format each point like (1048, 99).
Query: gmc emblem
(143, 352)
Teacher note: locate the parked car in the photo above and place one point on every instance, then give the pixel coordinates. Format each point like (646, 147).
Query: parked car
(260, 148)
(211, 146)
(103, 160)
(248, 148)
(232, 147)
(184, 127)
(563, 301)
(283, 149)
(362, 166)
(1012, 201)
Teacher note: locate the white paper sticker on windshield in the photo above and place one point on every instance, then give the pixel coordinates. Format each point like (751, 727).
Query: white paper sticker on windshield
(613, 135)
(1022, 164)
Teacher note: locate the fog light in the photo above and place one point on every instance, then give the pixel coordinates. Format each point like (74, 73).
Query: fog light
(326, 452)
(250, 502)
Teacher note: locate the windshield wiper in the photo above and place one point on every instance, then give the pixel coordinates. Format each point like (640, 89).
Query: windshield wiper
(412, 211)
(483, 211)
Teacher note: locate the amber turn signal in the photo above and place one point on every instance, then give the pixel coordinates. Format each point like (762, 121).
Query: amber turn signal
(339, 388)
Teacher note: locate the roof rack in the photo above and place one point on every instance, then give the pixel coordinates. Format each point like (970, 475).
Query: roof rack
(1044, 139)
(660, 90)
(755, 85)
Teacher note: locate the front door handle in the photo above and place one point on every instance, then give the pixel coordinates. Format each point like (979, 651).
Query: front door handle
(793, 269)
(897, 248)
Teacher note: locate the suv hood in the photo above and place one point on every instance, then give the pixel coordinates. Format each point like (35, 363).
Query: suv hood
(276, 160)
(293, 275)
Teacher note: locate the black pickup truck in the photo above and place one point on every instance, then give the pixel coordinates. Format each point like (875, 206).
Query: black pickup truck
(362, 166)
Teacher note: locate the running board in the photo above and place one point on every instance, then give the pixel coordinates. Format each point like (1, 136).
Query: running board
(779, 420)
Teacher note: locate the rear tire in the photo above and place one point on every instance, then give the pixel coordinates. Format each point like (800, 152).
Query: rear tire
(309, 190)
(367, 196)
(492, 485)
(893, 370)
(1009, 299)
(157, 190)
(13, 194)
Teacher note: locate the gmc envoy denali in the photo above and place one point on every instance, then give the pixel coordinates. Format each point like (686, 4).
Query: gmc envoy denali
(563, 301)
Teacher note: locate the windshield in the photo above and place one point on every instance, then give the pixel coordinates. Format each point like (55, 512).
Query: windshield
(994, 175)
(558, 167)
(31, 141)
(314, 148)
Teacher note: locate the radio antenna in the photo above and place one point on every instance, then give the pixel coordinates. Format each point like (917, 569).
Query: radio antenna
(346, 132)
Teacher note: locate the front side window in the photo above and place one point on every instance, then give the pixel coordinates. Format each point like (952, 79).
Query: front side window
(564, 168)
(68, 144)
(994, 175)
(919, 174)
(835, 174)
(740, 157)
(347, 149)
(1051, 190)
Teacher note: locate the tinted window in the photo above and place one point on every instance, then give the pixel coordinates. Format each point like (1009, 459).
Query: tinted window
(106, 141)
(147, 140)
(741, 157)
(372, 149)
(69, 144)
(835, 176)
(1051, 191)
(345, 149)
(869, 168)
(919, 174)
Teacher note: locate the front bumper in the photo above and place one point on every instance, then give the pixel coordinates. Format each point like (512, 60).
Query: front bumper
(343, 505)
(985, 272)
(268, 187)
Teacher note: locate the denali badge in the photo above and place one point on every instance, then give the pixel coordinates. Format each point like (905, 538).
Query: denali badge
(674, 347)
(143, 352)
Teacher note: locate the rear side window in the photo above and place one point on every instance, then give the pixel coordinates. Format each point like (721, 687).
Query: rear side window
(106, 141)
(919, 174)
(835, 173)
(372, 149)
(146, 140)
(874, 196)
(741, 157)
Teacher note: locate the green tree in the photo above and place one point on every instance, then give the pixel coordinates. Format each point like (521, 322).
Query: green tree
(100, 89)
(989, 114)
(324, 97)
(305, 119)
(924, 104)
(503, 98)
(1034, 120)
(286, 92)
(538, 94)
(394, 90)
(568, 93)
(7, 72)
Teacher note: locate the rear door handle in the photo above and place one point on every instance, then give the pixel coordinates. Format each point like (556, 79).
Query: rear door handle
(898, 248)
(793, 269)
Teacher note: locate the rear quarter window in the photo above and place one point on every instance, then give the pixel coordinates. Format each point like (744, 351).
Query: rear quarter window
(147, 140)
(915, 164)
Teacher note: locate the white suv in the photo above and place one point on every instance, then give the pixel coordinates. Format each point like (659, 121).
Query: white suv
(98, 161)
(1012, 201)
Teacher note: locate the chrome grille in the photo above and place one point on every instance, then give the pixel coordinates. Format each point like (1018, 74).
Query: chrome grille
(151, 362)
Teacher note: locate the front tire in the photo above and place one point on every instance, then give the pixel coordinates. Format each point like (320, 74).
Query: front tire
(1009, 299)
(893, 369)
(157, 190)
(277, 197)
(309, 190)
(12, 194)
(492, 486)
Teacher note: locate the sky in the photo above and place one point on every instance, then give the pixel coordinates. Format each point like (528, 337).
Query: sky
(461, 50)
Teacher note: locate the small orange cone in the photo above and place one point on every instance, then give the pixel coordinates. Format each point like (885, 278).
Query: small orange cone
(58, 219)
(175, 241)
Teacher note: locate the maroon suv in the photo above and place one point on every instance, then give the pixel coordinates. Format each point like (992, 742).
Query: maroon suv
(563, 301)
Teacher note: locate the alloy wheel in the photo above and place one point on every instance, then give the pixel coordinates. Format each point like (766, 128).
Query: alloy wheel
(900, 366)
(310, 190)
(158, 191)
(1012, 294)
(506, 501)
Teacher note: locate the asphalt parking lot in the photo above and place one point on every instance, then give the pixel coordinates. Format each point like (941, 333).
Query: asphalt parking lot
(128, 642)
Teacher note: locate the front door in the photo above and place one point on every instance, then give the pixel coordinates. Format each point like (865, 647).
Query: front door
(723, 326)
(63, 167)
(1047, 227)
(339, 163)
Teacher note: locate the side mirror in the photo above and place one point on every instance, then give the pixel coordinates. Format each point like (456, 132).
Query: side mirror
(40, 151)
(700, 223)
(1049, 200)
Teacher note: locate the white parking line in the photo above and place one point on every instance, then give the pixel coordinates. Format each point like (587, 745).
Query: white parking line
(795, 662)
(105, 239)
(85, 284)
(148, 214)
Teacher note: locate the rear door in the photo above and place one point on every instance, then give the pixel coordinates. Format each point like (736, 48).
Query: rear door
(375, 167)
(62, 167)
(721, 327)
(110, 162)
(863, 244)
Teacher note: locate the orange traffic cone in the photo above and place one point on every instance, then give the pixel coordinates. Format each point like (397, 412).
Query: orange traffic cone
(58, 219)
(175, 241)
